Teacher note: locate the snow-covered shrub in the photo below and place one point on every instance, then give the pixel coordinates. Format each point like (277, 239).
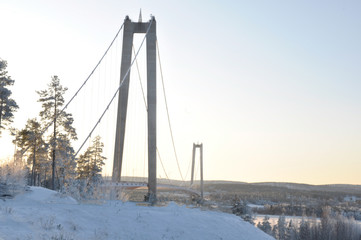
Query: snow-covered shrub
(84, 190)
(47, 223)
(61, 236)
(7, 210)
(12, 179)
(241, 208)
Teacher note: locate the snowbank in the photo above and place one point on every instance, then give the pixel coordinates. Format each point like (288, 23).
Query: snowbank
(44, 214)
(44, 195)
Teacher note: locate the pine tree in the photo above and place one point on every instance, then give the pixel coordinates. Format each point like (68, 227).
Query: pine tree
(7, 105)
(52, 100)
(30, 139)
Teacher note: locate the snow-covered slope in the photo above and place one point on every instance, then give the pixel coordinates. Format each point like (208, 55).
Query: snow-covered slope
(43, 214)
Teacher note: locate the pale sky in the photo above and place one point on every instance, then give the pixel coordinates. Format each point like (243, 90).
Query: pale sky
(271, 88)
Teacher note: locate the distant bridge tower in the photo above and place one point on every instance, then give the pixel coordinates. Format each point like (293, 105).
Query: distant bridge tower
(200, 146)
(129, 29)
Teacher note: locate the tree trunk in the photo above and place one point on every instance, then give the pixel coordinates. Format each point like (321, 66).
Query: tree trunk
(33, 174)
(1, 111)
(45, 180)
(54, 146)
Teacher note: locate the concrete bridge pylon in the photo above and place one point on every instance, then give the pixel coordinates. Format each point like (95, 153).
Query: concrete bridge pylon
(200, 147)
(130, 28)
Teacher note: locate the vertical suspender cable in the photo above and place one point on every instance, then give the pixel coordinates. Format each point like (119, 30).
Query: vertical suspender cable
(76, 93)
(161, 162)
(140, 81)
(116, 92)
(166, 105)
(145, 104)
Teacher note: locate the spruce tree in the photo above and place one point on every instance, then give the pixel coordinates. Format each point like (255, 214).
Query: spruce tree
(90, 166)
(305, 230)
(7, 105)
(90, 163)
(265, 226)
(281, 226)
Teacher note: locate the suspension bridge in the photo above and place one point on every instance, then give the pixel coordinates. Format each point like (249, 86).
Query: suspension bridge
(96, 99)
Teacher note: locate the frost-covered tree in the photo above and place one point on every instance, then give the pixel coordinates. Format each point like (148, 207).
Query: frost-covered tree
(90, 163)
(52, 100)
(66, 165)
(12, 179)
(275, 231)
(241, 208)
(7, 105)
(265, 226)
(30, 139)
(305, 230)
(326, 223)
(90, 166)
(291, 233)
(281, 227)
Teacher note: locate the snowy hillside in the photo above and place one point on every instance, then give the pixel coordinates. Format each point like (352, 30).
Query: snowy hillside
(43, 214)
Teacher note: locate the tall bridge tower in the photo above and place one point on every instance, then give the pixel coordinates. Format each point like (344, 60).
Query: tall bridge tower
(149, 28)
(200, 146)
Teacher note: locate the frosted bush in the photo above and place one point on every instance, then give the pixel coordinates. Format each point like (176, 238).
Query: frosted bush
(12, 178)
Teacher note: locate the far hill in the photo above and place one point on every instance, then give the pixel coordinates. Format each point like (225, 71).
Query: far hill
(238, 186)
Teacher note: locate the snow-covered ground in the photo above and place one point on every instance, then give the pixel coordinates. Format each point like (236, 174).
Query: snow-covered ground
(44, 214)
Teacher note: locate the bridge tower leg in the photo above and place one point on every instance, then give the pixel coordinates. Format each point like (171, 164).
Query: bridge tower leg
(200, 146)
(123, 99)
(152, 111)
(129, 29)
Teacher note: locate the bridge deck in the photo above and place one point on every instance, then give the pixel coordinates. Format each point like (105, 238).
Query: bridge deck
(144, 185)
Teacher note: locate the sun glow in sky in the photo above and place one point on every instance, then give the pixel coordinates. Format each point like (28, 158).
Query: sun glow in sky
(271, 88)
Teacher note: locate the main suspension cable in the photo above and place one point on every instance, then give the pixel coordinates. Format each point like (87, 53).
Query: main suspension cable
(76, 93)
(140, 82)
(116, 92)
(189, 166)
(86, 80)
(161, 162)
(146, 107)
(145, 104)
(166, 105)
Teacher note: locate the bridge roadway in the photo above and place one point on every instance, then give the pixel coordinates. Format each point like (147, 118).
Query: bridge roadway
(144, 185)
